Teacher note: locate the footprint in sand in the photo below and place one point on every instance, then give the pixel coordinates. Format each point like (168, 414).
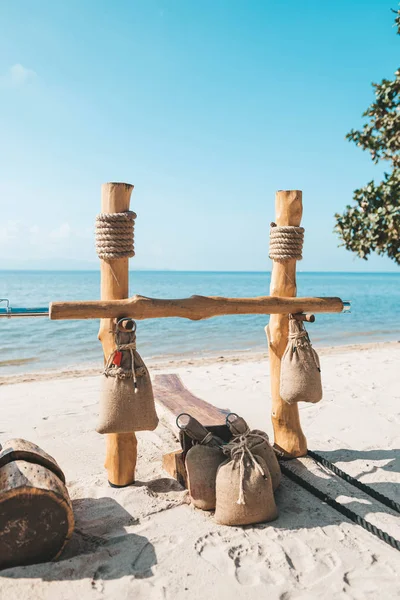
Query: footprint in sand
(253, 565)
(253, 561)
(250, 563)
(213, 548)
(378, 581)
(309, 566)
(327, 563)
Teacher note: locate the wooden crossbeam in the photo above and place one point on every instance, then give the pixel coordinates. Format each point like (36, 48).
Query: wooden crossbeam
(194, 308)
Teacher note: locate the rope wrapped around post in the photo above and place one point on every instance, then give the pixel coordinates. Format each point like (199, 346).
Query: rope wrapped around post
(115, 235)
(285, 243)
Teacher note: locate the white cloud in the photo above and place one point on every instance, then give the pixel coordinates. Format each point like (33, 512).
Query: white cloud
(61, 233)
(17, 76)
(9, 231)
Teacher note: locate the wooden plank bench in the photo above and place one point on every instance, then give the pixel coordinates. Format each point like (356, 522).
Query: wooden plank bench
(170, 393)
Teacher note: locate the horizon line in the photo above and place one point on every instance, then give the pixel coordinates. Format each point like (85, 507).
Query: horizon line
(52, 270)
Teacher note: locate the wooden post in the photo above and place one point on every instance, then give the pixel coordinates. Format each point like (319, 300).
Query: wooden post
(285, 418)
(121, 450)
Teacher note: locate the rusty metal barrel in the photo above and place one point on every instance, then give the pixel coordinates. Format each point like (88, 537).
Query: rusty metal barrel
(36, 516)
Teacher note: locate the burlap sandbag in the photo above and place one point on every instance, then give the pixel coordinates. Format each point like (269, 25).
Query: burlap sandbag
(127, 401)
(300, 369)
(258, 442)
(244, 494)
(202, 464)
(202, 461)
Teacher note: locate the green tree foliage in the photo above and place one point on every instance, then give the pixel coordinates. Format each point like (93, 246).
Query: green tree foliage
(372, 223)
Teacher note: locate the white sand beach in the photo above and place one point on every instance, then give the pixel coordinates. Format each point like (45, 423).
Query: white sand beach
(146, 541)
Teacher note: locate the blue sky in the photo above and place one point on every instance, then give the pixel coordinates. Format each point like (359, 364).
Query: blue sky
(206, 107)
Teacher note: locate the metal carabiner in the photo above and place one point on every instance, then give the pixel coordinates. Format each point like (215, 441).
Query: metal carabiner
(132, 325)
(228, 420)
(183, 425)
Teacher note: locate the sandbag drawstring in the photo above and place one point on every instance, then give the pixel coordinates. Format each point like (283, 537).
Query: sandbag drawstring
(294, 337)
(244, 449)
(240, 445)
(119, 372)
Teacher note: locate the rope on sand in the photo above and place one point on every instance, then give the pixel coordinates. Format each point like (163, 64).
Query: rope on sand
(367, 489)
(347, 512)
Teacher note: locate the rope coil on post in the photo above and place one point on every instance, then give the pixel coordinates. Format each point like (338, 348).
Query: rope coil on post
(285, 243)
(115, 235)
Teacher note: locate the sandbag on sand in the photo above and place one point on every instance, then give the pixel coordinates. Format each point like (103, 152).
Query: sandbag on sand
(258, 442)
(202, 462)
(244, 493)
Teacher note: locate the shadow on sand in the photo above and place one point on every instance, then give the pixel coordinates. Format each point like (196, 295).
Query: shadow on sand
(101, 549)
(100, 535)
(299, 509)
(389, 458)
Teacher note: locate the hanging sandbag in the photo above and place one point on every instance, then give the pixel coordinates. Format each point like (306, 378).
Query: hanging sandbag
(127, 400)
(244, 493)
(202, 462)
(300, 379)
(258, 442)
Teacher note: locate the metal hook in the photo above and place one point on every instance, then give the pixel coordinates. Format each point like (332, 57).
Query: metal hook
(127, 320)
(228, 420)
(178, 417)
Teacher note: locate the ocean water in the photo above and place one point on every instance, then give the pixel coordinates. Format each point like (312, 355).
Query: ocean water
(39, 344)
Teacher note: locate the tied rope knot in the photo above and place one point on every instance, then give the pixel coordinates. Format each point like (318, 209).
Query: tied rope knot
(285, 243)
(112, 370)
(244, 436)
(238, 450)
(115, 235)
(297, 338)
(301, 339)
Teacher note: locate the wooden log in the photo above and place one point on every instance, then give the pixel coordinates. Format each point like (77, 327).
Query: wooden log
(194, 308)
(19, 449)
(36, 514)
(289, 437)
(174, 464)
(121, 450)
